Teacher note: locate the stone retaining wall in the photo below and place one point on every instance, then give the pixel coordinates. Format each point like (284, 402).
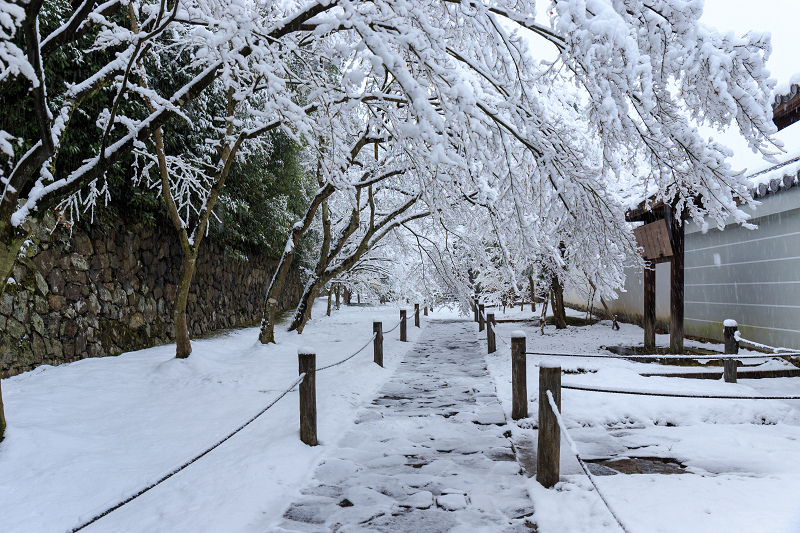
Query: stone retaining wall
(105, 292)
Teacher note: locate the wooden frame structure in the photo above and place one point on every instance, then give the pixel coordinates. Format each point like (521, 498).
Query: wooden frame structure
(662, 237)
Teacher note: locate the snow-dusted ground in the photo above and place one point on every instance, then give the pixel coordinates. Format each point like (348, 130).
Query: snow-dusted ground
(742, 454)
(85, 435)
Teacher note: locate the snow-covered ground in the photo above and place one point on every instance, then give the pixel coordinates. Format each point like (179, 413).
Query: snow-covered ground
(85, 435)
(741, 454)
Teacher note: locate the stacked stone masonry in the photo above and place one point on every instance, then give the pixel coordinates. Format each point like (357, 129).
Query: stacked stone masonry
(78, 294)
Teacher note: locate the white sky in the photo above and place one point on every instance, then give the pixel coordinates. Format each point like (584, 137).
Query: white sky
(779, 17)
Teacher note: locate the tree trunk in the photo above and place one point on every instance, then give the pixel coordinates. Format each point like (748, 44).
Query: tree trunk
(183, 345)
(533, 293)
(347, 296)
(329, 303)
(338, 295)
(2, 417)
(559, 313)
(12, 240)
(267, 333)
(303, 311)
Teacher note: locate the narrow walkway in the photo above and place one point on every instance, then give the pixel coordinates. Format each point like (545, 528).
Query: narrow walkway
(429, 455)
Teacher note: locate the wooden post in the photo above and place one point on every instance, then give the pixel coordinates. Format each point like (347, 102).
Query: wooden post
(481, 310)
(403, 333)
(731, 344)
(649, 315)
(519, 377)
(426, 310)
(377, 344)
(549, 447)
(308, 396)
(475, 307)
(731, 347)
(676, 296)
(416, 315)
(491, 342)
(729, 370)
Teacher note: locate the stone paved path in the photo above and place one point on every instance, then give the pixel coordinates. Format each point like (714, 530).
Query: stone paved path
(429, 455)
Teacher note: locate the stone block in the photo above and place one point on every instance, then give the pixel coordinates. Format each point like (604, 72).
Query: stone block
(83, 244)
(136, 321)
(73, 292)
(6, 304)
(41, 284)
(56, 281)
(21, 312)
(44, 261)
(15, 329)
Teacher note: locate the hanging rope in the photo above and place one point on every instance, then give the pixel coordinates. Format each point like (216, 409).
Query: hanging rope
(774, 349)
(676, 394)
(585, 468)
(218, 443)
(395, 327)
(496, 334)
(189, 462)
(349, 356)
(650, 357)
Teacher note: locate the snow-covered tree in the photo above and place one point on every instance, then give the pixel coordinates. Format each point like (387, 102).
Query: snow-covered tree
(455, 84)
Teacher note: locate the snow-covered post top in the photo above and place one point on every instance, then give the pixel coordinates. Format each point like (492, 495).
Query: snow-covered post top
(730, 328)
(518, 334)
(550, 364)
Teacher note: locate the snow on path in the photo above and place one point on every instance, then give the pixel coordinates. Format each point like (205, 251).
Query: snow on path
(428, 455)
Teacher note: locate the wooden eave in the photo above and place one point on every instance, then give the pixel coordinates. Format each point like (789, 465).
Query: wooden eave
(786, 112)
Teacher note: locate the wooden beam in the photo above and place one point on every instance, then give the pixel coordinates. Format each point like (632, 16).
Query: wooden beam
(676, 295)
(649, 314)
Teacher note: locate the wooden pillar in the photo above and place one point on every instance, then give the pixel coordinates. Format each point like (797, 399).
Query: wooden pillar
(425, 312)
(416, 315)
(308, 397)
(403, 332)
(519, 377)
(481, 321)
(729, 365)
(649, 315)
(377, 343)
(548, 452)
(491, 342)
(676, 307)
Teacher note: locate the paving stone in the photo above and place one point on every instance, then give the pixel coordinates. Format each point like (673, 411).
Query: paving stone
(428, 455)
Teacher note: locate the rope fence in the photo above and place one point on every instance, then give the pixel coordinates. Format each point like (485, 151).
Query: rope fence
(301, 378)
(574, 449)
(655, 356)
(775, 350)
(676, 394)
(189, 462)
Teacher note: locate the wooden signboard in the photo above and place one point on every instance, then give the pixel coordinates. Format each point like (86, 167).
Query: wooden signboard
(654, 238)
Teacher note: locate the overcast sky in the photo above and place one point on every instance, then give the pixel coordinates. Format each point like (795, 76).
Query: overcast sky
(779, 17)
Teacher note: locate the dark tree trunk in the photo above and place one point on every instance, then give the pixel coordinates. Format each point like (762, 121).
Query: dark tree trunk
(559, 313)
(11, 240)
(183, 344)
(533, 293)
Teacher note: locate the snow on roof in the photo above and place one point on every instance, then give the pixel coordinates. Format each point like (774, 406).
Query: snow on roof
(785, 91)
